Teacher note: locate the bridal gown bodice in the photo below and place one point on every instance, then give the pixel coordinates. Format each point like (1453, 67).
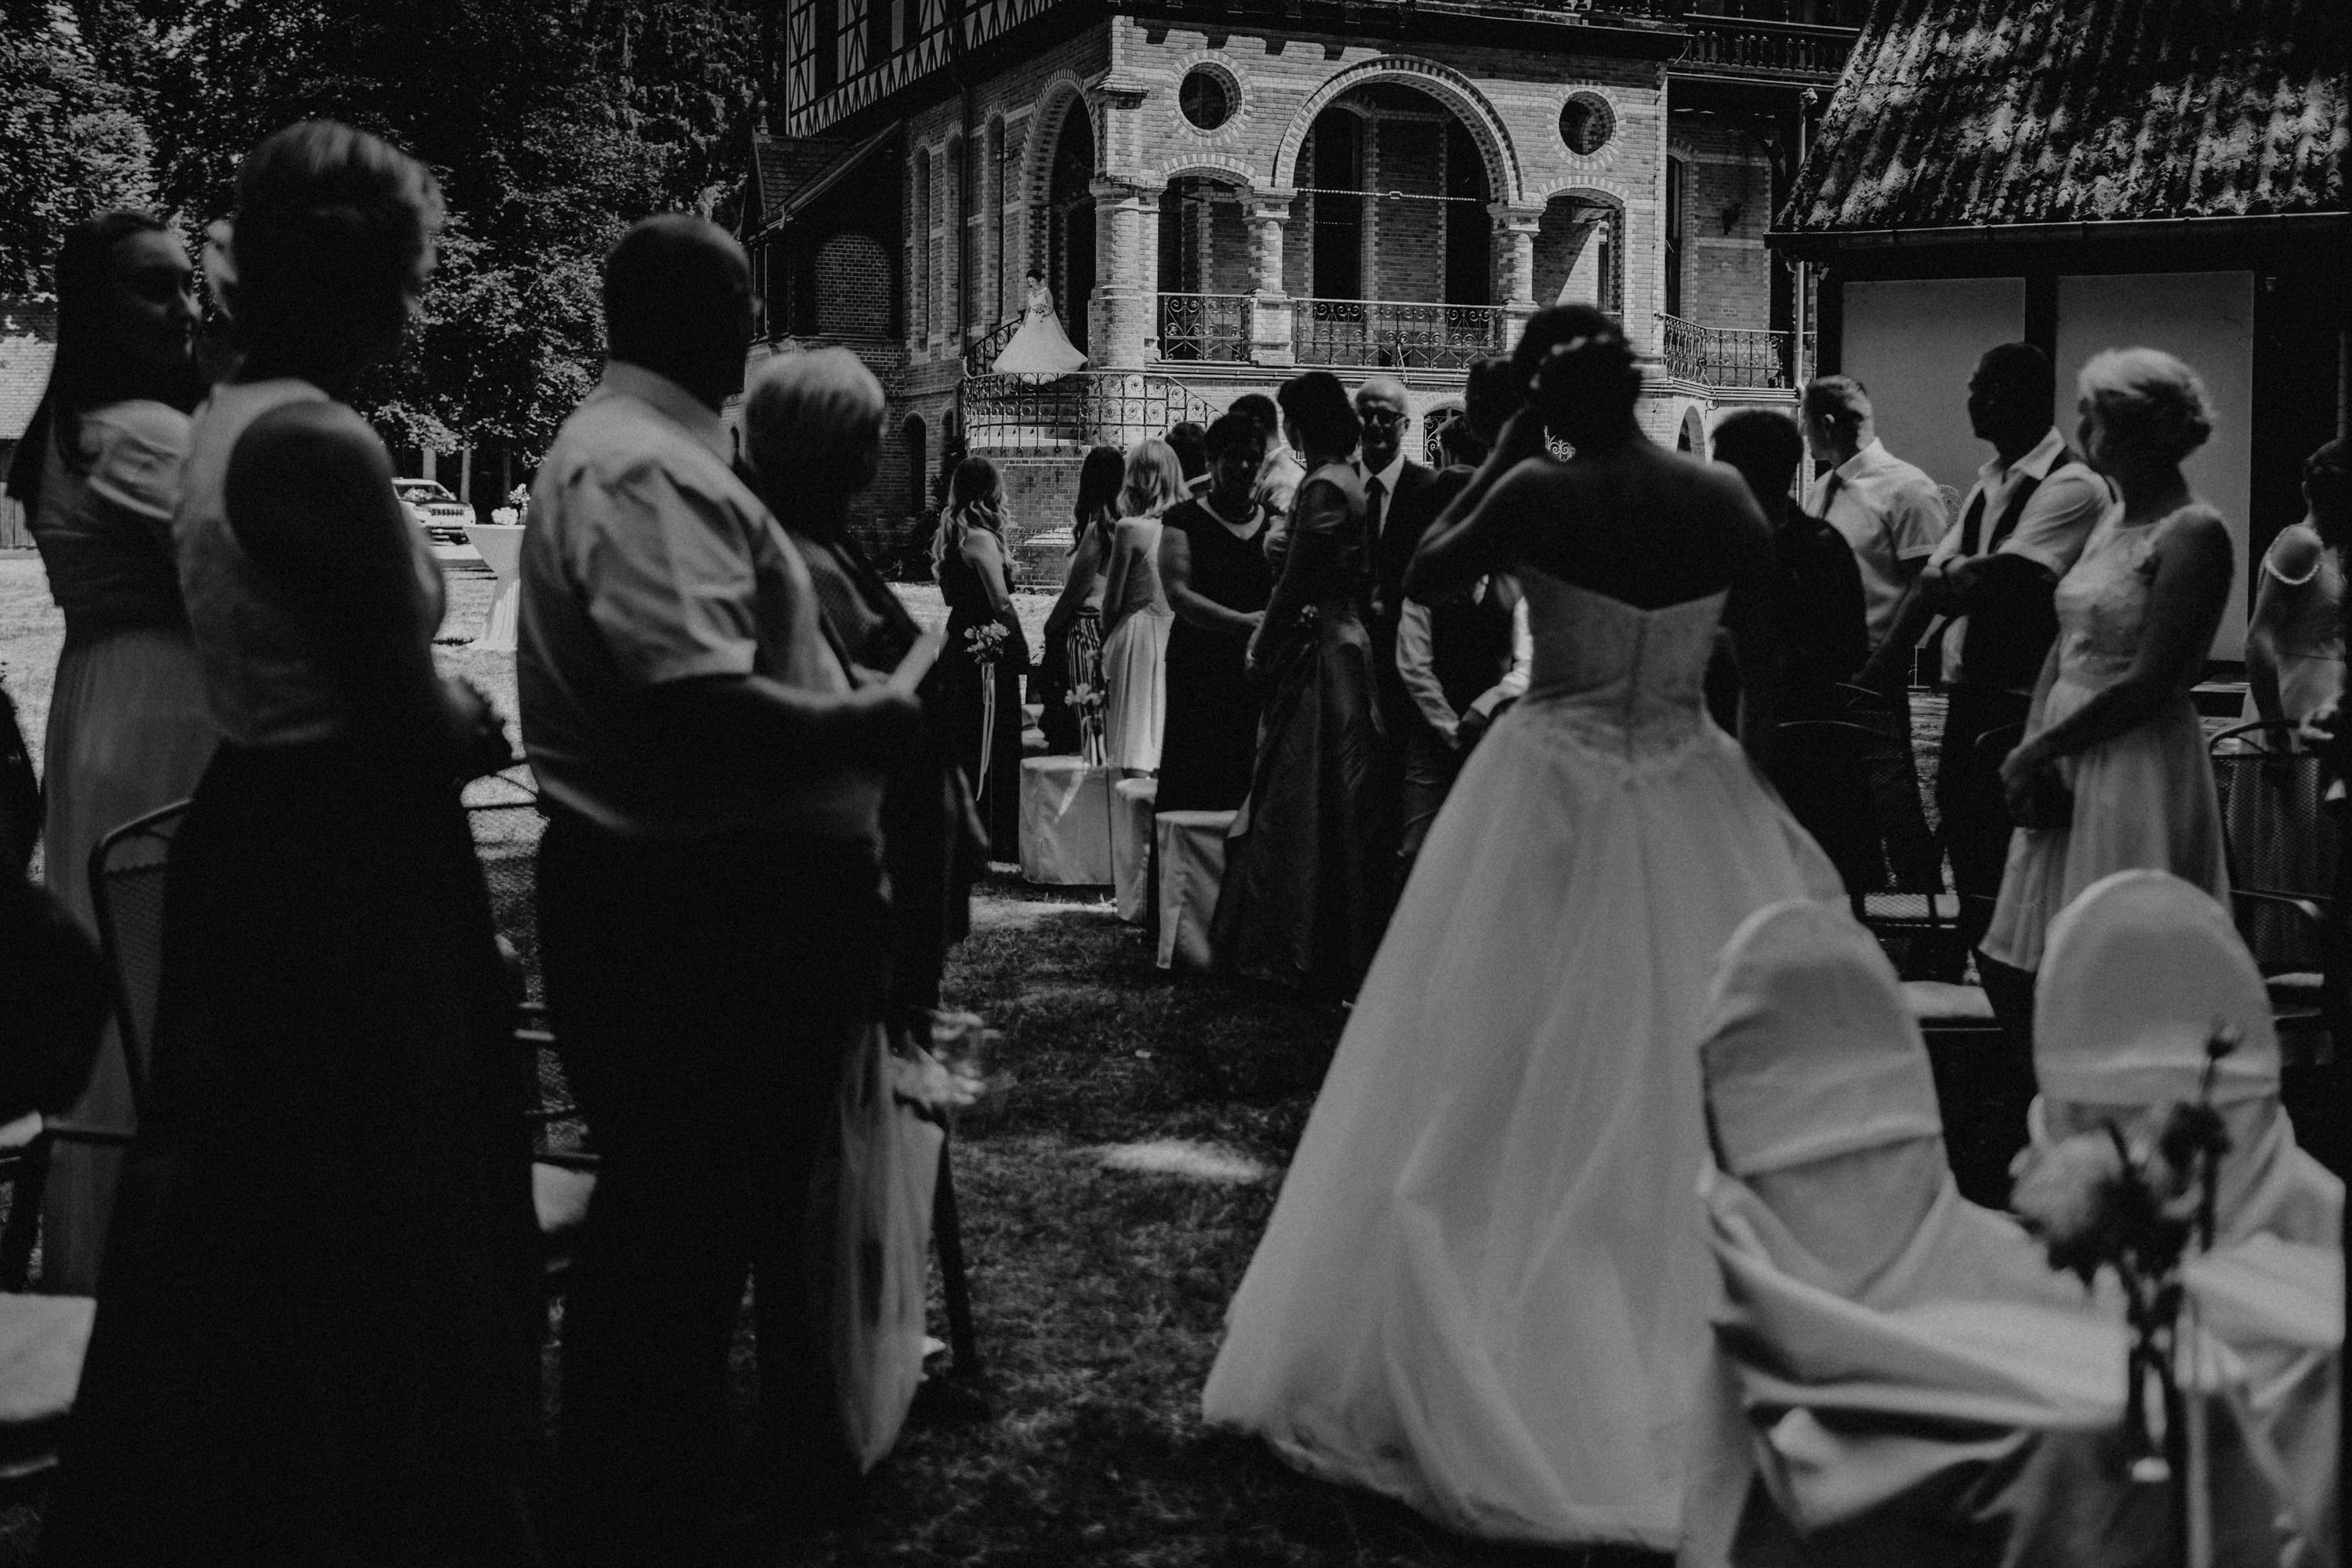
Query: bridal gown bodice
(1616, 677)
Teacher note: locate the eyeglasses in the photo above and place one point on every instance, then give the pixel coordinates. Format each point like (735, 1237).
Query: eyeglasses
(1384, 417)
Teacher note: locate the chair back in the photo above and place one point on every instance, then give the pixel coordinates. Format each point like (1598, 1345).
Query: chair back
(1819, 1092)
(127, 870)
(2272, 784)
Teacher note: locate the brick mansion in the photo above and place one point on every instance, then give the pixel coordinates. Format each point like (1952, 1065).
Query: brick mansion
(1217, 195)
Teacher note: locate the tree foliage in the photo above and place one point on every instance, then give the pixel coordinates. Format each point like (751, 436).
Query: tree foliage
(72, 140)
(551, 124)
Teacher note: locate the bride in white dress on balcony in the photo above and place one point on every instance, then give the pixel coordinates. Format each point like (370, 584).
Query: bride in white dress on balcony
(1483, 1290)
(1040, 348)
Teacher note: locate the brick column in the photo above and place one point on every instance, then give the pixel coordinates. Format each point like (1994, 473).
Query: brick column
(1514, 265)
(1268, 212)
(1126, 319)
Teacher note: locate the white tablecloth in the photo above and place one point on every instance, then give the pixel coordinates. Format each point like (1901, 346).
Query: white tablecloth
(501, 551)
(1131, 845)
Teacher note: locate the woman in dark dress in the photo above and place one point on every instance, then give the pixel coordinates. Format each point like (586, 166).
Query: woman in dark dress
(981, 669)
(321, 1316)
(1213, 564)
(1300, 904)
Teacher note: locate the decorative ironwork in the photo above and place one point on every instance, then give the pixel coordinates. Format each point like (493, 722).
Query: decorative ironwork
(1725, 356)
(1091, 407)
(982, 351)
(1388, 334)
(1779, 49)
(1215, 327)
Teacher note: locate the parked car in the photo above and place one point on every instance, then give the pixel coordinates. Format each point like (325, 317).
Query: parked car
(442, 515)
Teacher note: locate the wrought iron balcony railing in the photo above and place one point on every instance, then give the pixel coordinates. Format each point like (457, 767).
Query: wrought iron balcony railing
(1213, 327)
(1725, 356)
(1087, 408)
(981, 351)
(1390, 334)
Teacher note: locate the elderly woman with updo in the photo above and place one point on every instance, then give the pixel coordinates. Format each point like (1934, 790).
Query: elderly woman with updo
(2112, 775)
(318, 1332)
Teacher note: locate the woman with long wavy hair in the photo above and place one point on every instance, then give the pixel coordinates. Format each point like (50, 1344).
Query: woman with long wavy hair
(1072, 660)
(980, 672)
(1136, 617)
(318, 1336)
(99, 475)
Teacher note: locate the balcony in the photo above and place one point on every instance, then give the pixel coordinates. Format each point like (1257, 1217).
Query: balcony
(1070, 413)
(1205, 327)
(1726, 356)
(1390, 334)
(1754, 50)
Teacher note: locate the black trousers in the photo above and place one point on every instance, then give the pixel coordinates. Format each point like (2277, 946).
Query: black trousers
(704, 996)
(1976, 818)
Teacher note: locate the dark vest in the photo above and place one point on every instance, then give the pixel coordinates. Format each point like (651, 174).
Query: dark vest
(2008, 634)
(1470, 647)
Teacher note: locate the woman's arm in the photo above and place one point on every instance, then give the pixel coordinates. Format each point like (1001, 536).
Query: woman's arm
(1192, 608)
(986, 558)
(1751, 614)
(2287, 572)
(1077, 584)
(2184, 609)
(309, 497)
(1319, 518)
(1114, 610)
(1476, 532)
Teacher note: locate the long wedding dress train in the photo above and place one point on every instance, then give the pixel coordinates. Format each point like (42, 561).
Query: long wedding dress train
(1039, 348)
(1483, 1290)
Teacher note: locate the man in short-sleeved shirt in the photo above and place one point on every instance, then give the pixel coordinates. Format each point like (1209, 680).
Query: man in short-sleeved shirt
(712, 921)
(1889, 511)
(2066, 502)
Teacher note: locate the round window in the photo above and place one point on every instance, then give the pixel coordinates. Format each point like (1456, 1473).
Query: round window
(1207, 97)
(1586, 124)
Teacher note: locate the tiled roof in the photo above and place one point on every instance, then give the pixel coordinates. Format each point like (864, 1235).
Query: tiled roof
(1954, 113)
(780, 165)
(27, 346)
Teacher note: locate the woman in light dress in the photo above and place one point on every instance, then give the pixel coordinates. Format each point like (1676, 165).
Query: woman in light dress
(1483, 1289)
(1039, 349)
(99, 474)
(1135, 614)
(1071, 666)
(2112, 773)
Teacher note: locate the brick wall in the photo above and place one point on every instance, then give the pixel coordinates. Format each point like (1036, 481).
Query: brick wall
(1405, 240)
(1727, 275)
(853, 287)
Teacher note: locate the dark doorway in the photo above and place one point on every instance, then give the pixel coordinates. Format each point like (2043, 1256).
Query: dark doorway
(1338, 166)
(1070, 226)
(1469, 227)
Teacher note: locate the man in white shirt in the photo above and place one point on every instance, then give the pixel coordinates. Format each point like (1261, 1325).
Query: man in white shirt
(2021, 528)
(1889, 511)
(710, 907)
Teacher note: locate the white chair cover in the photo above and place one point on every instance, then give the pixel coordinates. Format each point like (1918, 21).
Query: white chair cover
(2139, 973)
(1879, 1337)
(1191, 867)
(1131, 845)
(1066, 822)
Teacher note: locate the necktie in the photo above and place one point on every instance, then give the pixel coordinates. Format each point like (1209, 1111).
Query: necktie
(1373, 496)
(1829, 492)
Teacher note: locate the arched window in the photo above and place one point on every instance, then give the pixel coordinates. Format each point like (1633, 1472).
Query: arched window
(992, 213)
(955, 249)
(1675, 206)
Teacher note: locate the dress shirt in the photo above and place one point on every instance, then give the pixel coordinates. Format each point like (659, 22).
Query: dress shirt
(647, 561)
(1417, 666)
(1380, 493)
(2051, 530)
(1889, 513)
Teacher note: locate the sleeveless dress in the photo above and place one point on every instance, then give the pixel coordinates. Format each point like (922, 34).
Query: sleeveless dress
(318, 1332)
(2311, 644)
(979, 704)
(2144, 798)
(1483, 1289)
(2283, 830)
(1300, 904)
(1134, 654)
(128, 733)
(1209, 742)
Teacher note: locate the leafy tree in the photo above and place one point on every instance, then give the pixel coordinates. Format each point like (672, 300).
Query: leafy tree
(72, 141)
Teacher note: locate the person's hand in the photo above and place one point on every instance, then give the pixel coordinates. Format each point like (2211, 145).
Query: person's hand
(1467, 729)
(882, 723)
(2325, 729)
(1255, 618)
(475, 734)
(1958, 579)
(2027, 775)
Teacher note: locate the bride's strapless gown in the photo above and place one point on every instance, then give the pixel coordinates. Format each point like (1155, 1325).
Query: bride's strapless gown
(1483, 1289)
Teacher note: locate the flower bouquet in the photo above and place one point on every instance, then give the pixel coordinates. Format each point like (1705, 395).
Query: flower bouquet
(2132, 1200)
(1087, 704)
(985, 642)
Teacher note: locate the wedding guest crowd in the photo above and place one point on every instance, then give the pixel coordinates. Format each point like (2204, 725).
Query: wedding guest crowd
(1459, 716)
